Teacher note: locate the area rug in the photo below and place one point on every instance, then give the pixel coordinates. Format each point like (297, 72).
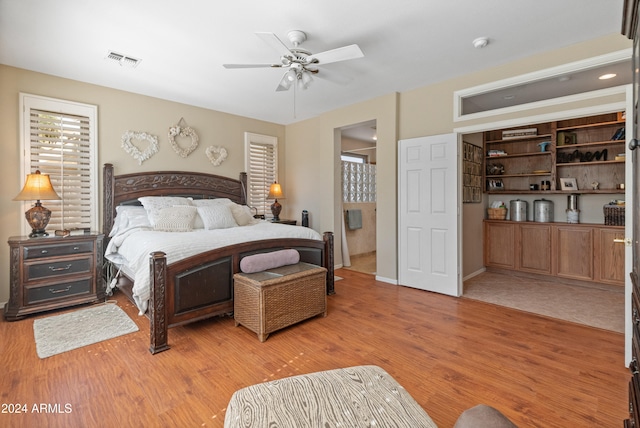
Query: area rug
(72, 330)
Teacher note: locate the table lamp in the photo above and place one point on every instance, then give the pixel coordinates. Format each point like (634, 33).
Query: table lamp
(38, 186)
(275, 192)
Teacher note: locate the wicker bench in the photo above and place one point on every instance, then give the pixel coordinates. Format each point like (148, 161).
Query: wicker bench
(276, 298)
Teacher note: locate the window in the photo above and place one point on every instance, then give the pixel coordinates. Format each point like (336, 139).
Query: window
(261, 165)
(59, 138)
(358, 182)
(350, 157)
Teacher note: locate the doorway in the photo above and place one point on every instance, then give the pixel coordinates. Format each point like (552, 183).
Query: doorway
(359, 196)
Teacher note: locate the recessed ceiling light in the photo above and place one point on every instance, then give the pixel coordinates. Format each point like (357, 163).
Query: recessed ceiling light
(509, 97)
(607, 76)
(480, 42)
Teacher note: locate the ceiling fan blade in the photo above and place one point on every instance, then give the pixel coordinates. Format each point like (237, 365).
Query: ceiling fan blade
(336, 78)
(340, 54)
(251, 65)
(273, 41)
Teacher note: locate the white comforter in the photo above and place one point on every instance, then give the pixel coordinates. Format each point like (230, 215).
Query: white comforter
(132, 247)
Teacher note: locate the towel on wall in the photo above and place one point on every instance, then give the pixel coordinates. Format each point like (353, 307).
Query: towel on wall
(354, 219)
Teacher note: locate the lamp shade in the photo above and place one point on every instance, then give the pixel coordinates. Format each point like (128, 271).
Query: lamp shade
(37, 187)
(275, 191)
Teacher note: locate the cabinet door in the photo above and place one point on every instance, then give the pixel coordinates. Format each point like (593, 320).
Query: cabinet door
(609, 262)
(575, 252)
(499, 245)
(535, 246)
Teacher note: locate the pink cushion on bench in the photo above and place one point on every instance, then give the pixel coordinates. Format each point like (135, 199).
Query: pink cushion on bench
(264, 261)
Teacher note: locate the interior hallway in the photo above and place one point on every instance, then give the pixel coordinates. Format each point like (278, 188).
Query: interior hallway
(365, 263)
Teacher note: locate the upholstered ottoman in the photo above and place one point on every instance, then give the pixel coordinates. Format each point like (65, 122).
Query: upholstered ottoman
(276, 298)
(361, 396)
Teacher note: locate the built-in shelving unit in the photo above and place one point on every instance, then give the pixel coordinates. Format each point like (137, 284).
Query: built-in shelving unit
(588, 149)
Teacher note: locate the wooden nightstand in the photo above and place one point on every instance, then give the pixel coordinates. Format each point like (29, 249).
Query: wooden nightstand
(53, 272)
(285, 221)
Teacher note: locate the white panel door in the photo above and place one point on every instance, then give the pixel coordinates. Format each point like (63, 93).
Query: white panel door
(428, 218)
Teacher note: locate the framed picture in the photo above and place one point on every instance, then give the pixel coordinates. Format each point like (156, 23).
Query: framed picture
(568, 184)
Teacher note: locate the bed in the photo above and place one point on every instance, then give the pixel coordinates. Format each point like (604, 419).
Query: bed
(194, 287)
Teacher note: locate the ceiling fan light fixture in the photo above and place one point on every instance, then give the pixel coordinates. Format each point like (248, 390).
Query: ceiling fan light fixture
(305, 80)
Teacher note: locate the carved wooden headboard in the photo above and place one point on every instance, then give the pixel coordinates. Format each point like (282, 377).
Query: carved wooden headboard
(127, 188)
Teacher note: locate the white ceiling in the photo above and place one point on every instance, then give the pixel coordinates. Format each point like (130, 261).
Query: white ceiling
(182, 45)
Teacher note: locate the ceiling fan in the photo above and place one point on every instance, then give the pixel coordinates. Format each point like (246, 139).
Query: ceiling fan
(301, 64)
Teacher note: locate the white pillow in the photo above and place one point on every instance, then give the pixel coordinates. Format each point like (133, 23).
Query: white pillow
(128, 216)
(210, 202)
(217, 216)
(242, 214)
(178, 218)
(153, 204)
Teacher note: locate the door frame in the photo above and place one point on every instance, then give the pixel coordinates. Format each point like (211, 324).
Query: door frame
(626, 105)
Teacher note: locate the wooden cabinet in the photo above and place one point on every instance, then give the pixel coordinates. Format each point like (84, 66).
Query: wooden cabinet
(609, 256)
(534, 243)
(586, 149)
(575, 252)
(500, 244)
(53, 272)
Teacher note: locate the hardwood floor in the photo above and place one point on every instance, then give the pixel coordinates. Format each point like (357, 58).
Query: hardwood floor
(449, 353)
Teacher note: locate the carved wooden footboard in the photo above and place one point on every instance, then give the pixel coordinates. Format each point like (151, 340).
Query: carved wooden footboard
(200, 286)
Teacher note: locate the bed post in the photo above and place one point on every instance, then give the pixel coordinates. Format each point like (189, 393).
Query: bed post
(107, 200)
(157, 307)
(243, 183)
(328, 251)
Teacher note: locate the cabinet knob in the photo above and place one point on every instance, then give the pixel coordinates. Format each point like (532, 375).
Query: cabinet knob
(633, 144)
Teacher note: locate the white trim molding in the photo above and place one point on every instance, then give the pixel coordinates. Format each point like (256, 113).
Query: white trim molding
(560, 70)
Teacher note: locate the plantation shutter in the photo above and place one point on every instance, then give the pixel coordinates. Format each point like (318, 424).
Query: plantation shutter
(262, 171)
(59, 142)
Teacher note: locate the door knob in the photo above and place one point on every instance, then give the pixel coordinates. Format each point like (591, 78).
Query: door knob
(633, 144)
(625, 241)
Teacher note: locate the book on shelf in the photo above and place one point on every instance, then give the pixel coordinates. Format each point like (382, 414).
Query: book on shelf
(73, 232)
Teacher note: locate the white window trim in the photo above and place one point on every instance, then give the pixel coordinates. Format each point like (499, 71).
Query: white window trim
(29, 101)
(535, 76)
(250, 138)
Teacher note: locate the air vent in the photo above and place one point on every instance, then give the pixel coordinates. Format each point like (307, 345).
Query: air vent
(123, 60)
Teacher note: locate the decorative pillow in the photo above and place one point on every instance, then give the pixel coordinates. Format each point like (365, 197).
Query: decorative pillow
(265, 261)
(153, 205)
(128, 216)
(242, 214)
(178, 218)
(210, 202)
(217, 216)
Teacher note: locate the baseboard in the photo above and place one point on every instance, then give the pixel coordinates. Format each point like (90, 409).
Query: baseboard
(387, 280)
(476, 273)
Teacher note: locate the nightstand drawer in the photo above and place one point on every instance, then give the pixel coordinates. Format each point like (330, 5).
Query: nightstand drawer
(57, 291)
(58, 268)
(40, 251)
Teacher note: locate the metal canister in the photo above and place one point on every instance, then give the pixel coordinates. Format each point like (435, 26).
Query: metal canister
(542, 211)
(518, 210)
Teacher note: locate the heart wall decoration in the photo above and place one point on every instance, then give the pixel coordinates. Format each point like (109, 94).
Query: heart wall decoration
(216, 154)
(183, 131)
(141, 156)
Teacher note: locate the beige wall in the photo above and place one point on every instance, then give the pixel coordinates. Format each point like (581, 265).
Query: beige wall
(118, 112)
(363, 240)
(309, 150)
